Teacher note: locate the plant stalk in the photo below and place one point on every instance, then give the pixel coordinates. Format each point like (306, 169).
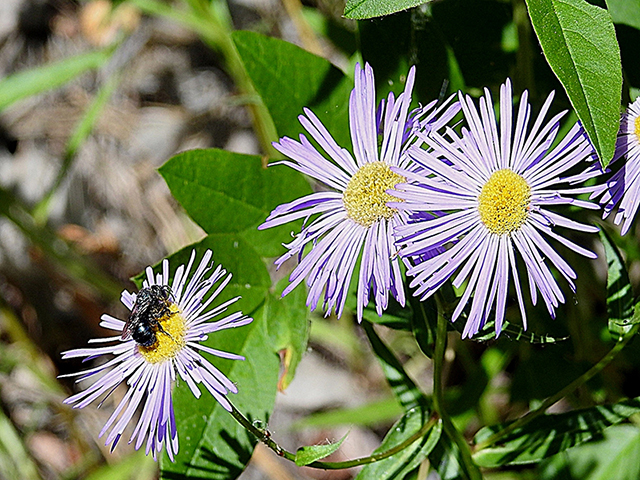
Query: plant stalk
(470, 468)
(265, 437)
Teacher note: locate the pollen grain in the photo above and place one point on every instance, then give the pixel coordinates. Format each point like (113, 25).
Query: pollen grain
(365, 198)
(170, 342)
(503, 203)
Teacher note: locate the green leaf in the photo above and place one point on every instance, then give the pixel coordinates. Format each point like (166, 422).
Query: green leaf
(619, 291)
(579, 42)
(312, 453)
(625, 12)
(395, 316)
(547, 435)
(446, 460)
(227, 192)
(229, 195)
(509, 330)
(134, 466)
(363, 9)
(615, 455)
(212, 444)
(399, 465)
(369, 414)
(405, 390)
(288, 326)
(48, 77)
(288, 78)
(423, 323)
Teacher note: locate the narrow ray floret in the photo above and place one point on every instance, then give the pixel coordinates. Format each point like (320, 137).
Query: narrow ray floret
(493, 192)
(623, 188)
(351, 219)
(162, 336)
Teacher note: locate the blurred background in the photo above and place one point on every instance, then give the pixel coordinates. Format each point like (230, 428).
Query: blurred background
(83, 209)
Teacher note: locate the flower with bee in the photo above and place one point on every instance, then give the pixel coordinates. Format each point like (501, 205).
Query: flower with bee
(161, 338)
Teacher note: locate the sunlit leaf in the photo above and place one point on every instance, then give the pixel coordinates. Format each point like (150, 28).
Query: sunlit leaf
(362, 9)
(227, 192)
(136, 466)
(615, 455)
(405, 390)
(288, 78)
(312, 453)
(579, 41)
(619, 291)
(547, 435)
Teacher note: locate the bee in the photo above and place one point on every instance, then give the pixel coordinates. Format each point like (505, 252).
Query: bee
(152, 303)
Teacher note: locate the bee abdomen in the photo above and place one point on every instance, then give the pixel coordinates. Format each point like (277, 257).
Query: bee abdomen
(144, 335)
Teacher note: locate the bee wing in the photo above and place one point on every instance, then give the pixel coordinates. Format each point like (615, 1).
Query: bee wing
(132, 319)
(131, 323)
(126, 332)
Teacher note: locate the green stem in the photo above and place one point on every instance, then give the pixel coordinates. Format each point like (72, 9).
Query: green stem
(213, 25)
(582, 379)
(471, 469)
(265, 437)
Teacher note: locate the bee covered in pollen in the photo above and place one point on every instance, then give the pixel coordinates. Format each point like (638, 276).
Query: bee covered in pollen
(152, 305)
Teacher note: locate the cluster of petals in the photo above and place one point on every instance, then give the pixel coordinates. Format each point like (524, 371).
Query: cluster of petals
(149, 384)
(333, 239)
(437, 229)
(457, 242)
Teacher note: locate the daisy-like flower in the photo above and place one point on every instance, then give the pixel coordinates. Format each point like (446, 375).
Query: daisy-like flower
(353, 218)
(623, 188)
(172, 319)
(489, 192)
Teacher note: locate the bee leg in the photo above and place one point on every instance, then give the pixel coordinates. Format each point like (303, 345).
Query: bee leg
(160, 329)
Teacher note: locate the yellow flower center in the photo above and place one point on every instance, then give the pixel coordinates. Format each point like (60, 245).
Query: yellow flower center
(637, 125)
(365, 198)
(166, 346)
(504, 202)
